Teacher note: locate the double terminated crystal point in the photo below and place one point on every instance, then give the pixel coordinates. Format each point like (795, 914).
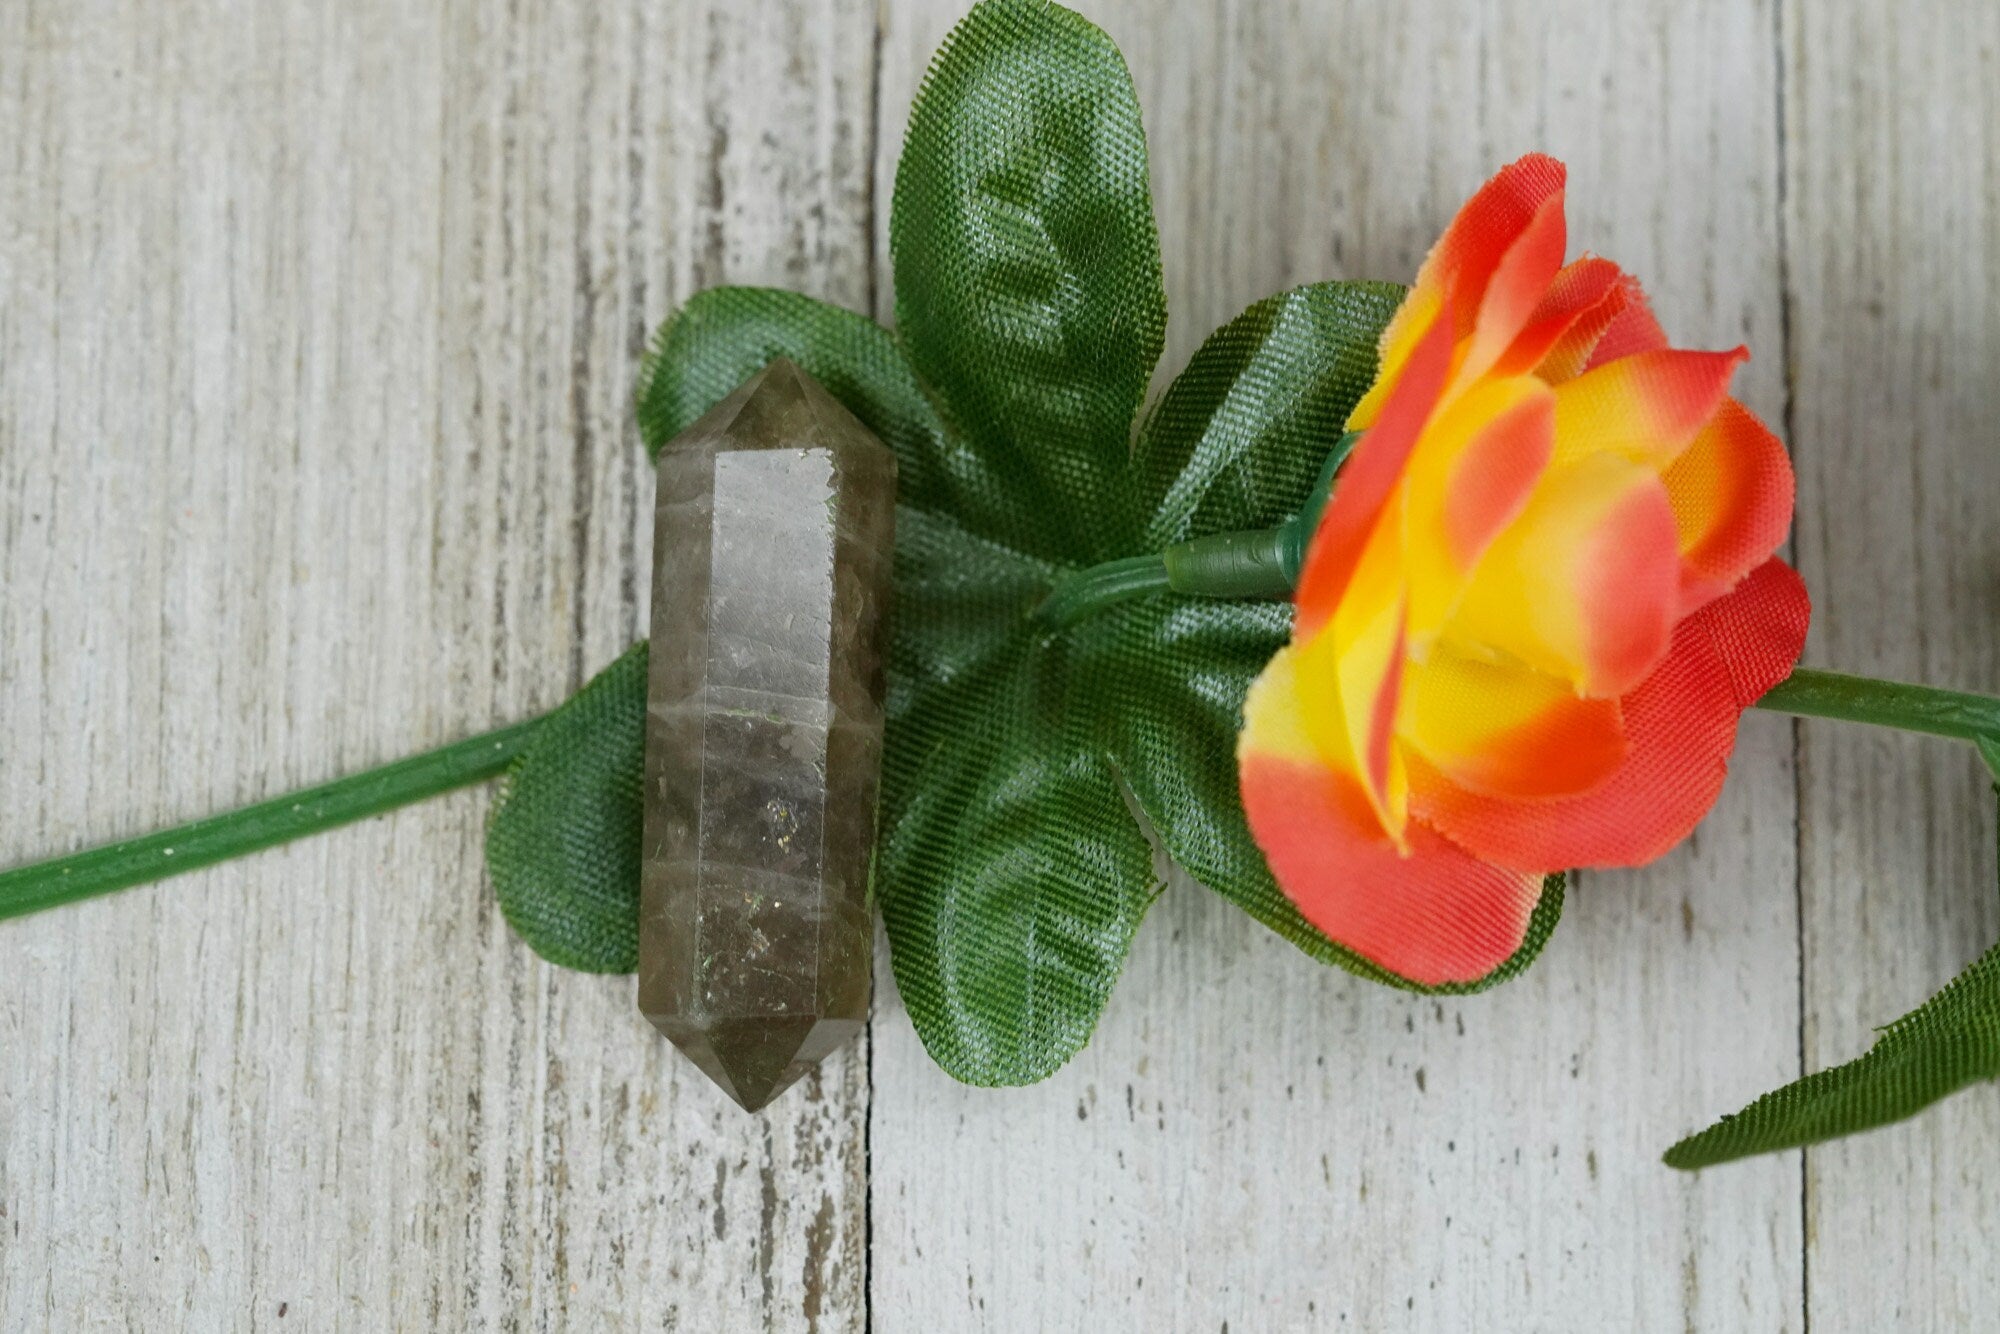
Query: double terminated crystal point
(764, 732)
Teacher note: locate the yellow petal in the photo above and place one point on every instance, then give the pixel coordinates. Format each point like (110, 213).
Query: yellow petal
(1469, 477)
(1646, 407)
(1501, 730)
(1585, 584)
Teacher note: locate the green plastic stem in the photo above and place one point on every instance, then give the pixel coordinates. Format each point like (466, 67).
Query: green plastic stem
(1077, 595)
(150, 857)
(1264, 563)
(1864, 699)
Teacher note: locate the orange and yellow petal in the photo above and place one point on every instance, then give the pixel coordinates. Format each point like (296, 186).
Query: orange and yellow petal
(1681, 727)
(1371, 689)
(1731, 492)
(1371, 478)
(1473, 475)
(1413, 320)
(1431, 913)
(1348, 716)
(1500, 730)
(1580, 305)
(1632, 329)
(1647, 407)
(1758, 629)
(1461, 265)
(1513, 294)
(1585, 585)
(1456, 273)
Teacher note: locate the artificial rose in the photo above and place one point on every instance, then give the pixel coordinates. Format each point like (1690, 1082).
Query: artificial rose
(1538, 601)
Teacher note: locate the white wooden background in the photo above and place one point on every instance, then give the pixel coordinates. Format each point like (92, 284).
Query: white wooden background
(318, 321)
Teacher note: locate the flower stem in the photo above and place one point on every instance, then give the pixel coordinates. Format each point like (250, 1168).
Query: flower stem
(1077, 595)
(1223, 565)
(1864, 699)
(1263, 563)
(137, 861)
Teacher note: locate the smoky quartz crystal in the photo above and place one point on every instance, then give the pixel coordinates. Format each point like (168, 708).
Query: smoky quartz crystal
(771, 555)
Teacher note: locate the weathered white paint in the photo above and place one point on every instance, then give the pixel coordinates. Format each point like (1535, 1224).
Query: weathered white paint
(316, 343)
(1893, 221)
(316, 348)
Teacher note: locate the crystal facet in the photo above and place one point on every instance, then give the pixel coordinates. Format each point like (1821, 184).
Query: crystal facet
(771, 554)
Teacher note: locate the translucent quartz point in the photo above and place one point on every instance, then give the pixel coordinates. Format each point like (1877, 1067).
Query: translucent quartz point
(771, 557)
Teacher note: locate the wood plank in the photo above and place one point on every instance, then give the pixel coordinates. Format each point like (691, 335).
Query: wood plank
(1892, 150)
(1252, 1141)
(315, 371)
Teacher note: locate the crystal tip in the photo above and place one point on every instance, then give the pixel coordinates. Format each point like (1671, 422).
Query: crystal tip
(754, 1060)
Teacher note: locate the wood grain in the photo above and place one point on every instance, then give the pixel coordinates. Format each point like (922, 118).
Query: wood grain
(1893, 216)
(317, 352)
(316, 345)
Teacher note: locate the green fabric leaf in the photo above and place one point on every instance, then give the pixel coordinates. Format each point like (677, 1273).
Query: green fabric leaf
(563, 840)
(1028, 286)
(724, 335)
(1011, 874)
(1952, 1040)
(1029, 297)
(1237, 440)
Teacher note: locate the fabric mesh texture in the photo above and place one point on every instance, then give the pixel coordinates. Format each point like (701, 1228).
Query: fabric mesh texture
(1952, 1040)
(562, 842)
(1010, 869)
